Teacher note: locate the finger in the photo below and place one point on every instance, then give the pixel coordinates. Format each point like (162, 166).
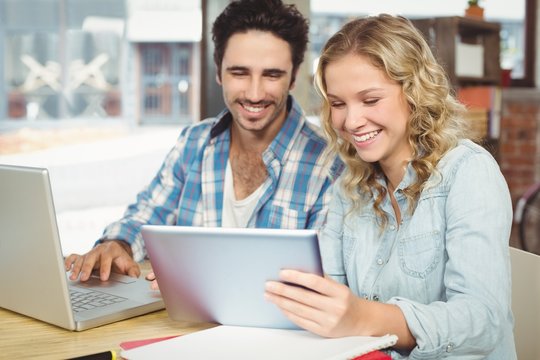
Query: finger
(151, 276)
(76, 267)
(304, 323)
(88, 263)
(154, 285)
(296, 310)
(296, 293)
(134, 271)
(322, 303)
(311, 281)
(68, 261)
(290, 297)
(105, 267)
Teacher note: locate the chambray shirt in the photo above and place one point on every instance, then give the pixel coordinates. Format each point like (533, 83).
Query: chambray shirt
(446, 265)
(188, 188)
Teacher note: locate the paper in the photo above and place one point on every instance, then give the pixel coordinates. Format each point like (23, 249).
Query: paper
(248, 343)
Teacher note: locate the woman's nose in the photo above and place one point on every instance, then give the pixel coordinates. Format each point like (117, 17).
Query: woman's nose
(355, 118)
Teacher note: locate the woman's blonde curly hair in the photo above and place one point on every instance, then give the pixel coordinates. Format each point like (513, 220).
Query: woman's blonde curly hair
(436, 124)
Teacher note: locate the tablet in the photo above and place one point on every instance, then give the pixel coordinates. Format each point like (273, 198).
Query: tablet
(218, 274)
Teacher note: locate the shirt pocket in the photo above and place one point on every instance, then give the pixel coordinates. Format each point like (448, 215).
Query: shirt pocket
(420, 254)
(286, 218)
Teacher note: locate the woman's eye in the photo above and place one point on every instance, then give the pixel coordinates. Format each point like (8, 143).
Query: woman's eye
(371, 101)
(336, 104)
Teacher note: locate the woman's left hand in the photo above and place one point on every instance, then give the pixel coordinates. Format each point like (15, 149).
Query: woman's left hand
(320, 305)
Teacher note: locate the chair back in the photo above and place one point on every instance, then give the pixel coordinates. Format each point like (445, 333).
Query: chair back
(526, 303)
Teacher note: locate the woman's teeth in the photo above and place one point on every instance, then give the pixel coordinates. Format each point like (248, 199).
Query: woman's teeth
(367, 136)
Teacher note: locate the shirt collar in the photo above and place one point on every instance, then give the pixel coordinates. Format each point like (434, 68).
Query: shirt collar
(408, 178)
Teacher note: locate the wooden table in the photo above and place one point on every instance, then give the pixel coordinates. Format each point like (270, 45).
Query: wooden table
(23, 337)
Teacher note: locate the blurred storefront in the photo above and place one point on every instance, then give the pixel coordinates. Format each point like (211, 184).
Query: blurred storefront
(99, 61)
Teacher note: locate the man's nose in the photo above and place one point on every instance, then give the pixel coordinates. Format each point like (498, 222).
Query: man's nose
(255, 91)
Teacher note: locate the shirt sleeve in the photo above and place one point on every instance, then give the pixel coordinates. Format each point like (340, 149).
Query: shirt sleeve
(475, 317)
(156, 204)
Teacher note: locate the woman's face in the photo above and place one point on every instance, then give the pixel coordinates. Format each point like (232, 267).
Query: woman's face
(369, 110)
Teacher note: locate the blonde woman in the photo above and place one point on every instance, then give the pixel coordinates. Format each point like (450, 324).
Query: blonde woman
(416, 241)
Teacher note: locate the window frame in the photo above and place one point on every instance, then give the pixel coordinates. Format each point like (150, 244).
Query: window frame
(528, 79)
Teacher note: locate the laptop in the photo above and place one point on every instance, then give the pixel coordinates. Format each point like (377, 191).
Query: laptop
(218, 274)
(34, 282)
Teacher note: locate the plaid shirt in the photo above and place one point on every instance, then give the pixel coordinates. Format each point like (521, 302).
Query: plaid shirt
(188, 189)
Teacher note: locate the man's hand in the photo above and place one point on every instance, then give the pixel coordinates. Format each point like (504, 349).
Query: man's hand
(152, 277)
(110, 255)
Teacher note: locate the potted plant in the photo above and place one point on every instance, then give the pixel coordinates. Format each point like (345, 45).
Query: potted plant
(474, 10)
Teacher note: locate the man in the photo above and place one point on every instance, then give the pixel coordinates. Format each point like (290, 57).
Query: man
(257, 164)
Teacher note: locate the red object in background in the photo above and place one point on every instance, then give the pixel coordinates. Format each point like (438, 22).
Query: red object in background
(506, 77)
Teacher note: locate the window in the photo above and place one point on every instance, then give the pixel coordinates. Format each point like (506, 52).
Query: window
(61, 58)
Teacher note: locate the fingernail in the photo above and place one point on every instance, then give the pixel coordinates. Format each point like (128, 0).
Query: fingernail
(269, 286)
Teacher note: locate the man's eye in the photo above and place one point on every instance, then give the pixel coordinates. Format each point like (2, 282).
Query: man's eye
(274, 75)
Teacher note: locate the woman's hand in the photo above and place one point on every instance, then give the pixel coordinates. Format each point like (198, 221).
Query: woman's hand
(328, 308)
(320, 305)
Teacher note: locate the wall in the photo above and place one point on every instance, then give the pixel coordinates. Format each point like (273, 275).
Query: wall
(519, 153)
(519, 143)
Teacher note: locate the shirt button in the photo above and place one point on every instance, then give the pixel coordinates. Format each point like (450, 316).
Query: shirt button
(392, 227)
(380, 261)
(450, 347)
(375, 297)
(366, 297)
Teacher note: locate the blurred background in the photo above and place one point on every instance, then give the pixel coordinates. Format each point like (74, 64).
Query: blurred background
(97, 90)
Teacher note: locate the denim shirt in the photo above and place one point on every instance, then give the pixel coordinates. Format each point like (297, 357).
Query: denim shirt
(446, 266)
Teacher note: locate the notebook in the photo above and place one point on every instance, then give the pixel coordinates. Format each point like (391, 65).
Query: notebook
(218, 274)
(34, 282)
(247, 343)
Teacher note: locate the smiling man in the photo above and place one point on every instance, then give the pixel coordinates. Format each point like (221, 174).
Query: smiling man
(258, 163)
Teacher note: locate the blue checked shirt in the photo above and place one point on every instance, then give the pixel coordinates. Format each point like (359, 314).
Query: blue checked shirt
(188, 188)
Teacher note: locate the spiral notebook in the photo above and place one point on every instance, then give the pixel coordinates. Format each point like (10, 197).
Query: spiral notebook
(243, 343)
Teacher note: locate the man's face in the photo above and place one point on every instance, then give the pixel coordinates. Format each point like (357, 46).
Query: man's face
(256, 75)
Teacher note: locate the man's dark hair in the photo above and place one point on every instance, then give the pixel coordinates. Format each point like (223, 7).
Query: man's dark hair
(283, 21)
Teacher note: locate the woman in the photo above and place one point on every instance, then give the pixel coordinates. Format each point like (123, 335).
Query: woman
(416, 241)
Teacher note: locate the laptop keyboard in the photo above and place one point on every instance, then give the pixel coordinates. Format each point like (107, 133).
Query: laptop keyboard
(82, 301)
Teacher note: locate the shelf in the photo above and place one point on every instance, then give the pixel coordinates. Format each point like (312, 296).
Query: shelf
(445, 34)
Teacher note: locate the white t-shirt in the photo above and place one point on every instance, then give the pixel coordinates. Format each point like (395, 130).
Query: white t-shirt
(236, 213)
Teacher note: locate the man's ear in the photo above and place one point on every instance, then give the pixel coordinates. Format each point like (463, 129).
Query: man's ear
(293, 80)
(218, 79)
(293, 84)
